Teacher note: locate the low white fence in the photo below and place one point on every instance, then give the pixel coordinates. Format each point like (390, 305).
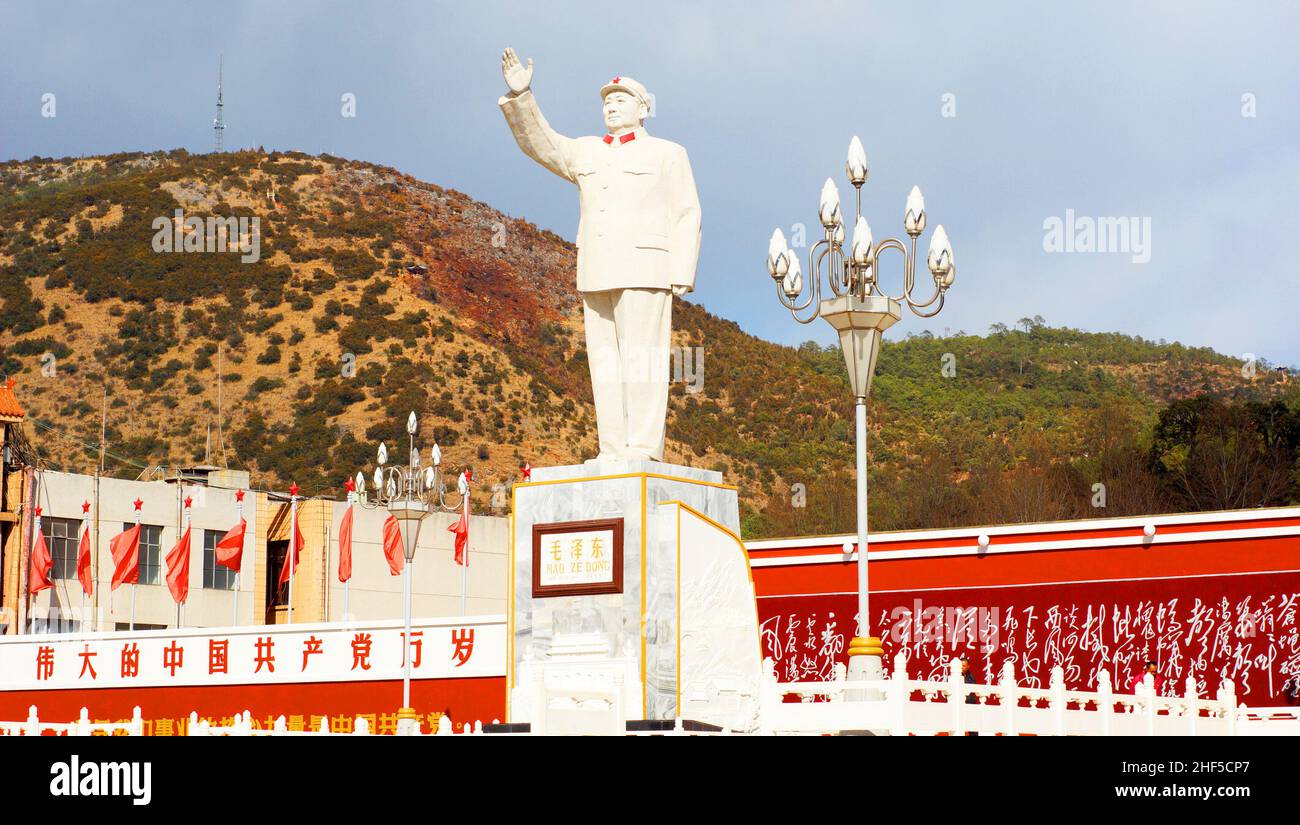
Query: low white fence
(241, 725)
(901, 706)
(896, 706)
(34, 726)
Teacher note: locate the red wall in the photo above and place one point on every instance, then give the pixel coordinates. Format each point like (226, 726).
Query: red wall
(1221, 608)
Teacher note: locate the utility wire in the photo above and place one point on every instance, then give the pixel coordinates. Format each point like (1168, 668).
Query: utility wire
(50, 428)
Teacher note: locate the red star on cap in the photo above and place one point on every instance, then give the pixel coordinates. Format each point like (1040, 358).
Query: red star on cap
(469, 475)
(85, 507)
(617, 79)
(138, 503)
(38, 512)
(239, 495)
(187, 501)
(527, 471)
(350, 486)
(293, 489)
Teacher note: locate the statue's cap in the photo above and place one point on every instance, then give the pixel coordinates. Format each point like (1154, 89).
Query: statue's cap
(623, 83)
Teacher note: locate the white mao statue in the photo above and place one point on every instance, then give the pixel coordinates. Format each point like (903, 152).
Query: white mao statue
(638, 241)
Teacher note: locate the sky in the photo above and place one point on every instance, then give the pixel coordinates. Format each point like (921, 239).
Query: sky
(1181, 122)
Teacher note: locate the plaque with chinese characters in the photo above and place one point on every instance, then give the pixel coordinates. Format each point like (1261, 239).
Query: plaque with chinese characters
(578, 558)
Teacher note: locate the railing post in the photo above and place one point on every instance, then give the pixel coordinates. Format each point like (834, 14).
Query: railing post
(1105, 700)
(897, 696)
(1191, 698)
(540, 722)
(361, 727)
(956, 696)
(33, 727)
(1058, 703)
(82, 726)
(444, 725)
(192, 729)
(768, 697)
(279, 727)
(1149, 690)
(619, 705)
(1228, 701)
(840, 676)
(1007, 698)
(324, 726)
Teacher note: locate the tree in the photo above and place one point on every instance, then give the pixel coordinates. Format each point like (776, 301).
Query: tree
(1212, 455)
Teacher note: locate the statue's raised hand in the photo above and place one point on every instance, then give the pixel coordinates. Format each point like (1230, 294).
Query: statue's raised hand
(518, 77)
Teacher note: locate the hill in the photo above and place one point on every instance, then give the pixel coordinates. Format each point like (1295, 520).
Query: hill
(374, 294)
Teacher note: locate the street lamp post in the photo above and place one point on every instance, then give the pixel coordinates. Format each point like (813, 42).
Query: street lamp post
(409, 494)
(860, 311)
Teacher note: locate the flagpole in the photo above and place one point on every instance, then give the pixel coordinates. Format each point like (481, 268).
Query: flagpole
(464, 568)
(348, 581)
(293, 540)
(85, 525)
(239, 511)
(137, 565)
(180, 531)
(187, 571)
(31, 554)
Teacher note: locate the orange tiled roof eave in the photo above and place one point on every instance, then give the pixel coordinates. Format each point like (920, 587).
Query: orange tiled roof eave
(9, 406)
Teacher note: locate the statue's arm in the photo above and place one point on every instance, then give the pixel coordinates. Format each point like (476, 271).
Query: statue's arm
(685, 229)
(536, 137)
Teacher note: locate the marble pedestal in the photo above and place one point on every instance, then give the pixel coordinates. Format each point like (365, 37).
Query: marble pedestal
(633, 638)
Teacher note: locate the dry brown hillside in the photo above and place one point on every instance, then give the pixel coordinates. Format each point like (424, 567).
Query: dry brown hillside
(376, 294)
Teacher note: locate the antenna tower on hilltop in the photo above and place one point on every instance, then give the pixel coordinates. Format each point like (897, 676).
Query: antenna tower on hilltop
(219, 123)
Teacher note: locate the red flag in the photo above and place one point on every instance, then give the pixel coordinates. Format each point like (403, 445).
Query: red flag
(345, 546)
(83, 562)
(178, 568)
(461, 529)
(230, 550)
(393, 545)
(125, 548)
(41, 564)
(291, 558)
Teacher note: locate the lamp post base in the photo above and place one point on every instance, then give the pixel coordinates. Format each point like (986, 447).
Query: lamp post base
(408, 722)
(865, 662)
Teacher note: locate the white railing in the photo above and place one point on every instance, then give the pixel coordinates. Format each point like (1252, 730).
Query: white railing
(897, 706)
(902, 706)
(82, 726)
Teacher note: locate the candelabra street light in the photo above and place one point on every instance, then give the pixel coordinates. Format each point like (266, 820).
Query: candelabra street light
(860, 311)
(409, 494)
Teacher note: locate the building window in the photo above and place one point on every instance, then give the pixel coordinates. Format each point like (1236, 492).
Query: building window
(61, 536)
(150, 553)
(215, 576)
(276, 552)
(53, 624)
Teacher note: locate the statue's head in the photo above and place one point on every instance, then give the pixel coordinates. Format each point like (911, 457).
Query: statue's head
(626, 104)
